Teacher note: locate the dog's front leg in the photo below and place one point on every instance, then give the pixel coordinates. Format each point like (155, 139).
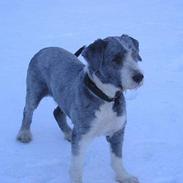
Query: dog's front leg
(116, 141)
(79, 145)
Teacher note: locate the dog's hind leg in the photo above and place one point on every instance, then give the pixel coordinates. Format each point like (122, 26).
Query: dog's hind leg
(36, 90)
(60, 117)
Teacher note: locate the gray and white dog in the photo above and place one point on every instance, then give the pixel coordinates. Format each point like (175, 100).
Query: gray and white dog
(90, 95)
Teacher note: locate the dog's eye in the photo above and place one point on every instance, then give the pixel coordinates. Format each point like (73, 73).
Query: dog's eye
(117, 59)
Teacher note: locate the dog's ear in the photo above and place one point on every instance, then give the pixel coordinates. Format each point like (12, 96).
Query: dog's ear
(125, 37)
(135, 44)
(94, 53)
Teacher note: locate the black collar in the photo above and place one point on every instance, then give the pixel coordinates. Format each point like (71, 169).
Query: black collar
(92, 86)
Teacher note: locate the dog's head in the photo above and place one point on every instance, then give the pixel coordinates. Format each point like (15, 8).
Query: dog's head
(114, 61)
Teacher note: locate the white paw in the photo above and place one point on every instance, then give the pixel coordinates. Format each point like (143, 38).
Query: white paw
(127, 179)
(24, 136)
(75, 175)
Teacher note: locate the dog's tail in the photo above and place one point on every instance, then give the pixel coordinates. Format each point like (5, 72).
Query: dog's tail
(79, 51)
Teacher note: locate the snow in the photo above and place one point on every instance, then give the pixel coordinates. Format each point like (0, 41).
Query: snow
(153, 148)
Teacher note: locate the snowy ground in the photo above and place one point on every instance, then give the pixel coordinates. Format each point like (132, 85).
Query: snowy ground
(153, 147)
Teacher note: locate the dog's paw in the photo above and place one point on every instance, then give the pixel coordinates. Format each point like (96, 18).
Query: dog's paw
(24, 136)
(128, 179)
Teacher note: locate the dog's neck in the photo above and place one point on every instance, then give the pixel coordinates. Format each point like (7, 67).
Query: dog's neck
(107, 90)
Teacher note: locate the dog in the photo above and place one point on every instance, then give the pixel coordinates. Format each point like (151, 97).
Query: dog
(90, 95)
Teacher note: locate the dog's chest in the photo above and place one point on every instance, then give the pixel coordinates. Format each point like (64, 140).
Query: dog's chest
(107, 122)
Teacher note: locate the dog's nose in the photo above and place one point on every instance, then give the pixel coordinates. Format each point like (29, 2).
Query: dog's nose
(138, 77)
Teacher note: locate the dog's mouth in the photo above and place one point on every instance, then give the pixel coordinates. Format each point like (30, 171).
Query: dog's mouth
(141, 83)
(138, 85)
(134, 86)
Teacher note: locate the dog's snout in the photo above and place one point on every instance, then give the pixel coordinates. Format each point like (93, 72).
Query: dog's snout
(138, 77)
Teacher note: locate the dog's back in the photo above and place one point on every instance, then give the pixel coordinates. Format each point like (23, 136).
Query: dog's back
(52, 65)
